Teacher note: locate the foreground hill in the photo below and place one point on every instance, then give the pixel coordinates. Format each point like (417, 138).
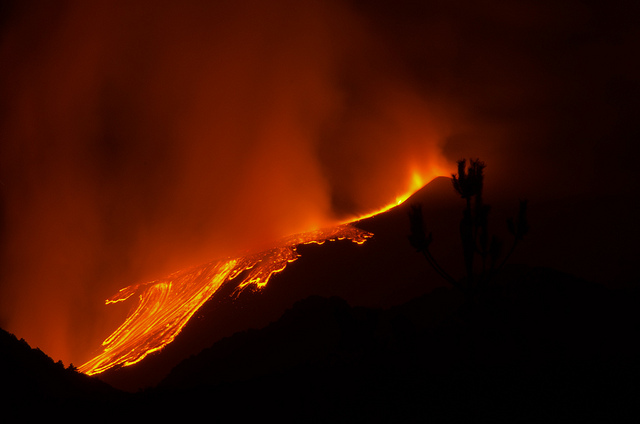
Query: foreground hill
(542, 346)
(31, 382)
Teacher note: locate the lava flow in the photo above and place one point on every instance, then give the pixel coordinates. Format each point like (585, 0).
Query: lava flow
(166, 305)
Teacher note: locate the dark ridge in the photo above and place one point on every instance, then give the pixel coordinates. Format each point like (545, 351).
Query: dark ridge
(313, 330)
(542, 345)
(30, 379)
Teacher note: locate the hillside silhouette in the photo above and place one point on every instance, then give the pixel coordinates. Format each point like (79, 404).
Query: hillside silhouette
(543, 345)
(370, 332)
(31, 379)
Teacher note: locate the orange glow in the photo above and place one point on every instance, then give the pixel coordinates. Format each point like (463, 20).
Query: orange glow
(129, 155)
(166, 305)
(416, 181)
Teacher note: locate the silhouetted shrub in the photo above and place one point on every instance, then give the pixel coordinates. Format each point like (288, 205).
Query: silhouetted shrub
(476, 240)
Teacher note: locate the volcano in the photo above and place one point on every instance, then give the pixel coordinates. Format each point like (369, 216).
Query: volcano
(382, 272)
(370, 328)
(379, 270)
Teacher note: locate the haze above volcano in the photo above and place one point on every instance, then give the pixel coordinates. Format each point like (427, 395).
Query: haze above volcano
(138, 139)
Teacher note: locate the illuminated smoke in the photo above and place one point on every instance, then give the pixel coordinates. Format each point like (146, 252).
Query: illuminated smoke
(141, 138)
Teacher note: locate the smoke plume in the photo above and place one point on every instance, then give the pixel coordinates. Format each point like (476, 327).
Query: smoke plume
(142, 138)
(138, 138)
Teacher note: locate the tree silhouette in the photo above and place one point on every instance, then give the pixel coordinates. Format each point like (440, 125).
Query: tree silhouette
(474, 231)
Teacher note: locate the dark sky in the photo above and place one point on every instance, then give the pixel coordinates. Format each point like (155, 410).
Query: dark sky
(141, 137)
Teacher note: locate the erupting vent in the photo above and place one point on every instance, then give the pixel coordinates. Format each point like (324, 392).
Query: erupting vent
(166, 305)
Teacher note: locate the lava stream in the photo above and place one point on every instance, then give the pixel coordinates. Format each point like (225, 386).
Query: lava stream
(166, 305)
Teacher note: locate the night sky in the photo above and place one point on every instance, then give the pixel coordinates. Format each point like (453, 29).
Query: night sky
(140, 138)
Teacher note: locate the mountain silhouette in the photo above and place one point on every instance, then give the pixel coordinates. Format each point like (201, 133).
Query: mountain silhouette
(382, 273)
(544, 345)
(370, 332)
(31, 379)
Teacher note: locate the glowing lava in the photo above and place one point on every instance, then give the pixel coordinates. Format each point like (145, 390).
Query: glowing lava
(417, 181)
(166, 305)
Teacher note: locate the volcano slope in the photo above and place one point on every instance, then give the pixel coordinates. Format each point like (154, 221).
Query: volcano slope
(383, 272)
(398, 343)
